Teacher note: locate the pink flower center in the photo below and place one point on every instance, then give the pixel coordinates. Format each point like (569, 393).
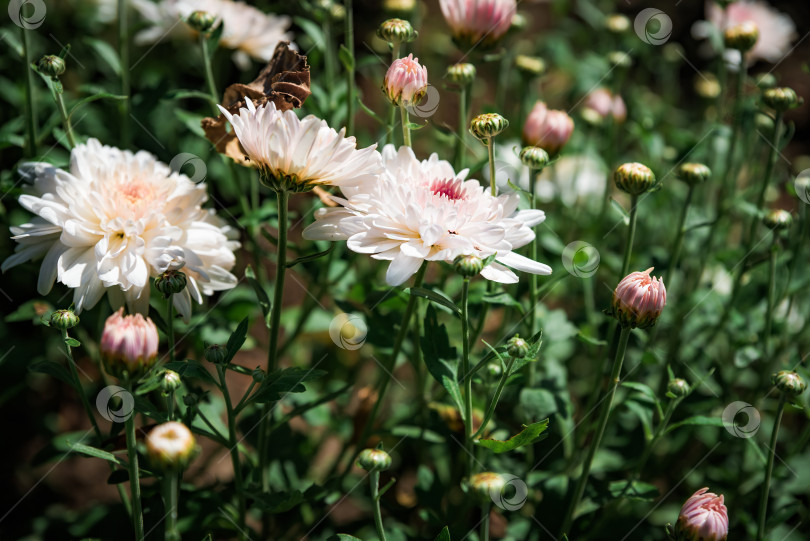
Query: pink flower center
(450, 188)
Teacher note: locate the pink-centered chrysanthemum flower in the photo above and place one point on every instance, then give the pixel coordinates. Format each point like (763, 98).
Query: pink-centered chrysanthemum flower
(424, 211)
(114, 220)
(703, 517)
(406, 81)
(604, 103)
(776, 29)
(170, 445)
(299, 154)
(478, 22)
(547, 128)
(129, 345)
(639, 299)
(251, 32)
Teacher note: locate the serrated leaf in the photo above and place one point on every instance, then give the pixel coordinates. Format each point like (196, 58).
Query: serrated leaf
(436, 297)
(530, 434)
(440, 358)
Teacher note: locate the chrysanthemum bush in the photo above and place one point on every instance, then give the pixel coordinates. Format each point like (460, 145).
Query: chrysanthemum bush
(324, 270)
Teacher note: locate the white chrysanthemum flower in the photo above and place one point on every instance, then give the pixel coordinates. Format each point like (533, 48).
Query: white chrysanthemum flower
(115, 219)
(246, 29)
(299, 154)
(424, 211)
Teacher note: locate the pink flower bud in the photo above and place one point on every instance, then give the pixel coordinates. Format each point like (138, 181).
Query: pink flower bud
(478, 22)
(604, 103)
(547, 129)
(406, 81)
(129, 344)
(639, 299)
(703, 517)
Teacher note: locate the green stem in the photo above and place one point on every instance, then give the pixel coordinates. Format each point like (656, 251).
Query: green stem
(766, 178)
(678, 245)
(170, 484)
(659, 431)
(600, 430)
(170, 326)
(30, 109)
(406, 130)
(329, 64)
(458, 159)
(350, 70)
(374, 482)
(631, 234)
(491, 154)
(233, 445)
(532, 277)
(60, 104)
(484, 535)
(123, 54)
(774, 251)
(766, 485)
(465, 372)
(134, 474)
(209, 71)
(495, 398)
(74, 373)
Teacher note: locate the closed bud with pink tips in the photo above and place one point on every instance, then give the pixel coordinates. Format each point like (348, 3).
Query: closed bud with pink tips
(639, 300)
(602, 104)
(703, 517)
(478, 22)
(547, 128)
(129, 345)
(406, 81)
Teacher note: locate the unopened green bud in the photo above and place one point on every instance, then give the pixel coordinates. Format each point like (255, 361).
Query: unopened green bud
(494, 369)
(64, 319)
(678, 387)
(694, 173)
(171, 381)
(488, 125)
(396, 31)
(530, 65)
(216, 353)
(201, 21)
(617, 23)
(258, 375)
(789, 382)
(534, 157)
(170, 282)
(374, 460)
(742, 37)
(778, 219)
(51, 65)
(766, 81)
(468, 266)
(634, 178)
(517, 347)
(781, 98)
(461, 74)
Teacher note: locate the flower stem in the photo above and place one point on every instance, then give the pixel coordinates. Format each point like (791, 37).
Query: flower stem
(30, 109)
(484, 535)
(659, 431)
(631, 234)
(458, 159)
(170, 489)
(465, 369)
(134, 474)
(406, 130)
(678, 245)
(123, 54)
(74, 373)
(491, 154)
(766, 178)
(766, 338)
(170, 326)
(766, 485)
(374, 481)
(600, 429)
(60, 104)
(495, 398)
(349, 38)
(209, 71)
(532, 276)
(233, 445)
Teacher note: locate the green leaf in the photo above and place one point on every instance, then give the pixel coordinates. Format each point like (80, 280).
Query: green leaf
(94, 452)
(440, 358)
(618, 208)
(505, 299)
(180, 94)
(237, 339)
(371, 113)
(444, 535)
(343, 537)
(312, 257)
(591, 340)
(214, 37)
(105, 52)
(633, 490)
(118, 476)
(346, 58)
(698, 420)
(53, 369)
(279, 502)
(288, 380)
(94, 97)
(417, 432)
(192, 369)
(313, 31)
(644, 415)
(530, 434)
(261, 294)
(436, 297)
(72, 342)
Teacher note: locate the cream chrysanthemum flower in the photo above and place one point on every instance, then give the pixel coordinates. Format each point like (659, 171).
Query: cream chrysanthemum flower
(115, 219)
(246, 29)
(424, 211)
(299, 154)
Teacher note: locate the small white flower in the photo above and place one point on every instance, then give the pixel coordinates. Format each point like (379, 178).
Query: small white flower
(423, 211)
(301, 154)
(115, 219)
(246, 29)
